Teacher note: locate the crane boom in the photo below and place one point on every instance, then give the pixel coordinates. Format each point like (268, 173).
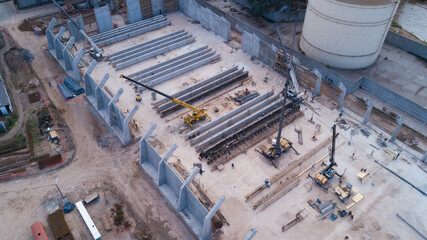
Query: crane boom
(175, 100)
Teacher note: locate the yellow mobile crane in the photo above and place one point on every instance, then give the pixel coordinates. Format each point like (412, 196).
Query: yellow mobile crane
(190, 119)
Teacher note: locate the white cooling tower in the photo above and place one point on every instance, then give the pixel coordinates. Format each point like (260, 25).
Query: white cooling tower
(346, 34)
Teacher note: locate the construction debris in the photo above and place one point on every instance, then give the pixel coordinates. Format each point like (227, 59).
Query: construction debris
(298, 218)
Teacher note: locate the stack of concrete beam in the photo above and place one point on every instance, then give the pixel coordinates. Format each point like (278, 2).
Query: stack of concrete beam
(131, 30)
(174, 67)
(200, 90)
(146, 50)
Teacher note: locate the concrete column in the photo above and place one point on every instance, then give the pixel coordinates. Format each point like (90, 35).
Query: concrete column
(342, 96)
(318, 82)
(74, 31)
(58, 45)
(142, 149)
(110, 105)
(182, 200)
(49, 35)
(134, 11)
(424, 158)
(368, 111)
(251, 234)
(100, 104)
(161, 168)
(88, 87)
(206, 231)
(75, 66)
(399, 120)
(68, 56)
(126, 132)
(103, 19)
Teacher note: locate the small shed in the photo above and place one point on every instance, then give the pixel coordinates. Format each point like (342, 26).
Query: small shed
(53, 136)
(5, 104)
(59, 226)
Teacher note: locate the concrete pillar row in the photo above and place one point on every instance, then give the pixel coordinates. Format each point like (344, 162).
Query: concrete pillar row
(161, 168)
(342, 96)
(319, 76)
(399, 120)
(368, 111)
(142, 148)
(182, 200)
(126, 132)
(206, 231)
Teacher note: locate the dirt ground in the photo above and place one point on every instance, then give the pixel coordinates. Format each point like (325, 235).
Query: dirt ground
(113, 168)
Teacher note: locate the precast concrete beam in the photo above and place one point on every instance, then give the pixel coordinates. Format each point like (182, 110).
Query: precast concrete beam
(146, 45)
(110, 106)
(204, 89)
(206, 230)
(153, 68)
(182, 200)
(229, 115)
(143, 141)
(166, 68)
(154, 52)
(267, 104)
(184, 69)
(399, 120)
(127, 27)
(67, 54)
(342, 96)
(88, 87)
(196, 86)
(240, 124)
(368, 111)
(133, 33)
(161, 168)
(318, 82)
(251, 234)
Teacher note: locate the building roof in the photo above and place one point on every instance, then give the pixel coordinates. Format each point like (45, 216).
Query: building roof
(4, 97)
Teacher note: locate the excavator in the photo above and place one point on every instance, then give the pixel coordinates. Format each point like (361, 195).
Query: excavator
(329, 171)
(190, 119)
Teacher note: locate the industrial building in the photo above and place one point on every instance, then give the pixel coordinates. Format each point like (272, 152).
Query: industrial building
(192, 119)
(5, 104)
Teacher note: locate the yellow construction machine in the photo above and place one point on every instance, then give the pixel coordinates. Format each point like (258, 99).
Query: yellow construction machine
(329, 171)
(190, 119)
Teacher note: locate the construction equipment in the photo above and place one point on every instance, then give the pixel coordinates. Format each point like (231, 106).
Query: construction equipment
(295, 92)
(327, 173)
(343, 193)
(280, 144)
(138, 97)
(190, 119)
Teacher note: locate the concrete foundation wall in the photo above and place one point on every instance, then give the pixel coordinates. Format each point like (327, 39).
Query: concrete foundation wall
(407, 44)
(170, 185)
(61, 53)
(134, 11)
(214, 22)
(105, 106)
(103, 18)
(329, 76)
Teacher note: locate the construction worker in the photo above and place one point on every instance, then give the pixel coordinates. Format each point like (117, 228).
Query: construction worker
(232, 165)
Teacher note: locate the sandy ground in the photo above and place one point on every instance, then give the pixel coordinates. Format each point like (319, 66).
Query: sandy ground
(23, 201)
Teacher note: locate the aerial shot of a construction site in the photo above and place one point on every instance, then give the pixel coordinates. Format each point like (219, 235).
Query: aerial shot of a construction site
(213, 119)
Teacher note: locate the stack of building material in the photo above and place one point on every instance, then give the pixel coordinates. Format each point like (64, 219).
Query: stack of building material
(65, 91)
(59, 226)
(228, 136)
(200, 90)
(174, 67)
(73, 86)
(131, 30)
(146, 50)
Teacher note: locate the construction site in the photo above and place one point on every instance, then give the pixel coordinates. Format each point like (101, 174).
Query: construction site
(205, 119)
